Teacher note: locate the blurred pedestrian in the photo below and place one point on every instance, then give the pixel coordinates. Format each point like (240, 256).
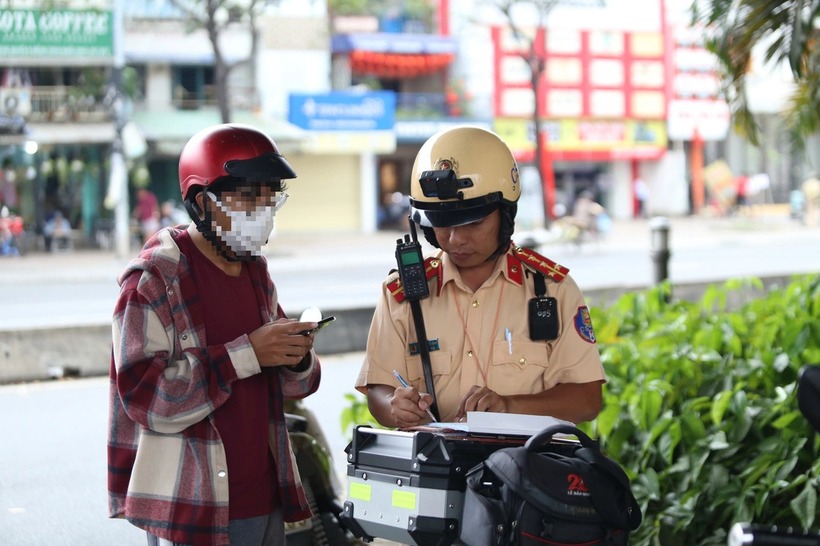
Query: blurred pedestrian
(172, 215)
(741, 191)
(585, 212)
(11, 228)
(641, 192)
(811, 193)
(57, 232)
(8, 185)
(147, 213)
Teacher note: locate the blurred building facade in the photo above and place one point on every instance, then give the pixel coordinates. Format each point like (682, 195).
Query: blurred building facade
(55, 128)
(628, 93)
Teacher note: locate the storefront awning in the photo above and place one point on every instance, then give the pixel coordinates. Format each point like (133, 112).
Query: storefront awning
(389, 55)
(383, 42)
(156, 46)
(170, 130)
(398, 65)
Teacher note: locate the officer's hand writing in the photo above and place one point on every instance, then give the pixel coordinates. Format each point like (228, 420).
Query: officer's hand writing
(480, 399)
(281, 343)
(406, 407)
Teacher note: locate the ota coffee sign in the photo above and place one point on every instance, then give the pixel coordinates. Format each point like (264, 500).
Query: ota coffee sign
(60, 33)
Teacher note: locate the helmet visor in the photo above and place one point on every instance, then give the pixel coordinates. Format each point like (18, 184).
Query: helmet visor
(260, 168)
(454, 215)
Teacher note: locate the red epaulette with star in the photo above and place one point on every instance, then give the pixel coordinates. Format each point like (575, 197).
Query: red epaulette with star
(432, 267)
(539, 263)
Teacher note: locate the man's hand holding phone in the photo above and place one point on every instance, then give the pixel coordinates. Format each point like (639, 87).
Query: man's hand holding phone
(319, 325)
(282, 342)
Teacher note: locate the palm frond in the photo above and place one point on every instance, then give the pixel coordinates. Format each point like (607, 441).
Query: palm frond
(787, 31)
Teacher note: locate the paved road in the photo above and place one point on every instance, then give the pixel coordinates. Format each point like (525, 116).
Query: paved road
(52, 457)
(345, 271)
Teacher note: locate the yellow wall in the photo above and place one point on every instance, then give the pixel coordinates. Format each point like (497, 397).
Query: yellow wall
(326, 195)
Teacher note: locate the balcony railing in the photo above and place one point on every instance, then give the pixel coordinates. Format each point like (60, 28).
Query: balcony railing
(193, 100)
(240, 97)
(56, 104)
(65, 104)
(52, 104)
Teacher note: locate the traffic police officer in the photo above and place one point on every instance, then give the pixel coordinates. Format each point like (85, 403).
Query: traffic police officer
(508, 330)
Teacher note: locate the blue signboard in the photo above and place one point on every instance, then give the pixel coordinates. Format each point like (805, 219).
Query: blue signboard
(371, 111)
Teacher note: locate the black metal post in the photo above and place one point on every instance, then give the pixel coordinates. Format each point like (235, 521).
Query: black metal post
(659, 230)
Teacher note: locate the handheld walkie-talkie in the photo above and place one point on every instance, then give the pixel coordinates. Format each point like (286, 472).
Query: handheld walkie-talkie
(411, 267)
(414, 280)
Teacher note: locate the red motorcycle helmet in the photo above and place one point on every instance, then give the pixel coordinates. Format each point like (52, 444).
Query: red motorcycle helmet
(230, 150)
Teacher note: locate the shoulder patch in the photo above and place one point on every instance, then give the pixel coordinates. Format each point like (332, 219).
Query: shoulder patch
(432, 267)
(538, 262)
(583, 325)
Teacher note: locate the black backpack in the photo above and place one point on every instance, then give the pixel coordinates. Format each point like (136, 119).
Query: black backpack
(538, 494)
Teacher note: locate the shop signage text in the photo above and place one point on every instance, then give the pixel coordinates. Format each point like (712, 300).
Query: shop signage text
(27, 33)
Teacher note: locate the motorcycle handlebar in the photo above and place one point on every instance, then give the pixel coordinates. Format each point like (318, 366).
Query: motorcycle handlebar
(745, 534)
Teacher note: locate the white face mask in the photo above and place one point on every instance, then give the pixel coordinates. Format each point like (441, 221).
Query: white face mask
(249, 230)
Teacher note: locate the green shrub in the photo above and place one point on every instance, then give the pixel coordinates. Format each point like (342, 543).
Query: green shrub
(356, 413)
(700, 408)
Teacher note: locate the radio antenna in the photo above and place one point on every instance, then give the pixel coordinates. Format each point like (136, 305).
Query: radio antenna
(413, 235)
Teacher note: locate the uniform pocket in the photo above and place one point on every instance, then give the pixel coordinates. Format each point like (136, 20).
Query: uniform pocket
(521, 372)
(441, 363)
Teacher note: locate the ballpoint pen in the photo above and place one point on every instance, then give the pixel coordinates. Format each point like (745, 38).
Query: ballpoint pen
(406, 384)
(508, 337)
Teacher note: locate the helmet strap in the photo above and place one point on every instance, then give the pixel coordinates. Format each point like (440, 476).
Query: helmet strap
(204, 226)
(430, 235)
(507, 211)
(192, 208)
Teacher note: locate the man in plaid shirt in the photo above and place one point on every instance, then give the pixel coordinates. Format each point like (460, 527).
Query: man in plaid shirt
(204, 357)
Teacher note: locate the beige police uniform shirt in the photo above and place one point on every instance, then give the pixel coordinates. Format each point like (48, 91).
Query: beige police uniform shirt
(469, 328)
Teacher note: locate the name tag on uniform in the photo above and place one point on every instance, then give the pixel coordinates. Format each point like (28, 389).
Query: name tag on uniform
(432, 345)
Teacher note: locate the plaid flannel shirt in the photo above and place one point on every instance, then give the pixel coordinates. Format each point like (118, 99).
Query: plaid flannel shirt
(167, 471)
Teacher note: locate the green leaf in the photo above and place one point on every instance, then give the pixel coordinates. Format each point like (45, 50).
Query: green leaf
(785, 420)
(804, 506)
(718, 441)
(649, 408)
(719, 406)
(781, 362)
(670, 441)
(606, 419)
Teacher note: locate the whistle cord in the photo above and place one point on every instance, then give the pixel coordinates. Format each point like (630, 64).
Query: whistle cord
(483, 369)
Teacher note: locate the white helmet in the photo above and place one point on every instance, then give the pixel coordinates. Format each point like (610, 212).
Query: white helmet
(460, 175)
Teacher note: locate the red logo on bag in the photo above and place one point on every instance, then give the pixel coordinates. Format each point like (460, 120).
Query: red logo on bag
(576, 486)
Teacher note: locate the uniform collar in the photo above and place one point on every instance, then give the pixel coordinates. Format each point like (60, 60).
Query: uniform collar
(507, 265)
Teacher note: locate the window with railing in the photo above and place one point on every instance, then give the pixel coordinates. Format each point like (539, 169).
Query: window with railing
(420, 105)
(193, 86)
(432, 105)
